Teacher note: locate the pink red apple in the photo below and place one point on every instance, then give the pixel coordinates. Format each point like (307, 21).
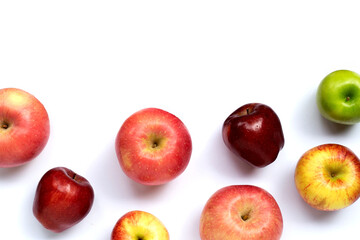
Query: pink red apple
(153, 146)
(253, 133)
(327, 177)
(62, 199)
(139, 225)
(24, 127)
(242, 212)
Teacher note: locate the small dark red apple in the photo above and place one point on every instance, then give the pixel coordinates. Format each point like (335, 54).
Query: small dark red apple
(62, 199)
(254, 133)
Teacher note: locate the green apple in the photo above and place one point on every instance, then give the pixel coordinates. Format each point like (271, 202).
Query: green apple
(338, 97)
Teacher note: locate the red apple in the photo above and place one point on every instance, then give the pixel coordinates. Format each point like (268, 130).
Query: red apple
(24, 127)
(254, 133)
(62, 199)
(139, 225)
(327, 177)
(241, 212)
(153, 146)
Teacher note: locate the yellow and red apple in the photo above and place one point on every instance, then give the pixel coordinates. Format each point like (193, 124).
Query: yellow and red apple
(24, 127)
(242, 212)
(139, 225)
(327, 177)
(153, 146)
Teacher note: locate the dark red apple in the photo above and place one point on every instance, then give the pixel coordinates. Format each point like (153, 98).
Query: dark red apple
(62, 199)
(254, 133)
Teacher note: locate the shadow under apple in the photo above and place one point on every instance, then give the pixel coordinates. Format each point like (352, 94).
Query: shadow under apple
(112, 181)
(294, 206)
(13, 172)
(335, 128)
(225, 161)
(310, 120)
(140, 190)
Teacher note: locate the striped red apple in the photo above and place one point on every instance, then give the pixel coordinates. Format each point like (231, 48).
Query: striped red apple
(242, 212)
(153, 146)
(24, 127)
(327, 177)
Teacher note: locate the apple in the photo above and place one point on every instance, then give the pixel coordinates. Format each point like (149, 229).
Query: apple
(254, 134)
(242, 212)
(153, 146)
(327, 177)
(62, 199)
(139, 225)
(338, 97)
(24, 127)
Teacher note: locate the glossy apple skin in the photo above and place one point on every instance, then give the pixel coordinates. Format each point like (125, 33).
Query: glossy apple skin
(62, 199)
(338, 97)
(24, 127)
(139, 225)
(327, 177)
(254, 133)
(153, 146)
(242, 212)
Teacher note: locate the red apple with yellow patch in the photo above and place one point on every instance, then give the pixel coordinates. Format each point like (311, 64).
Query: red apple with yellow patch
(24, 127)
(241, 212)
(327, 177)
(139, 225)
(153, 146)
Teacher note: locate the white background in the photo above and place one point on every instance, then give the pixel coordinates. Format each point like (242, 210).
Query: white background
(94, 63)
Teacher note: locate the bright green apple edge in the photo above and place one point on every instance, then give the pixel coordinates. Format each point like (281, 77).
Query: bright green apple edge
(338, 97)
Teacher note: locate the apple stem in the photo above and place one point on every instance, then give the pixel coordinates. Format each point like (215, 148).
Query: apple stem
(347, 98)
(74, 176)
(247, 111)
